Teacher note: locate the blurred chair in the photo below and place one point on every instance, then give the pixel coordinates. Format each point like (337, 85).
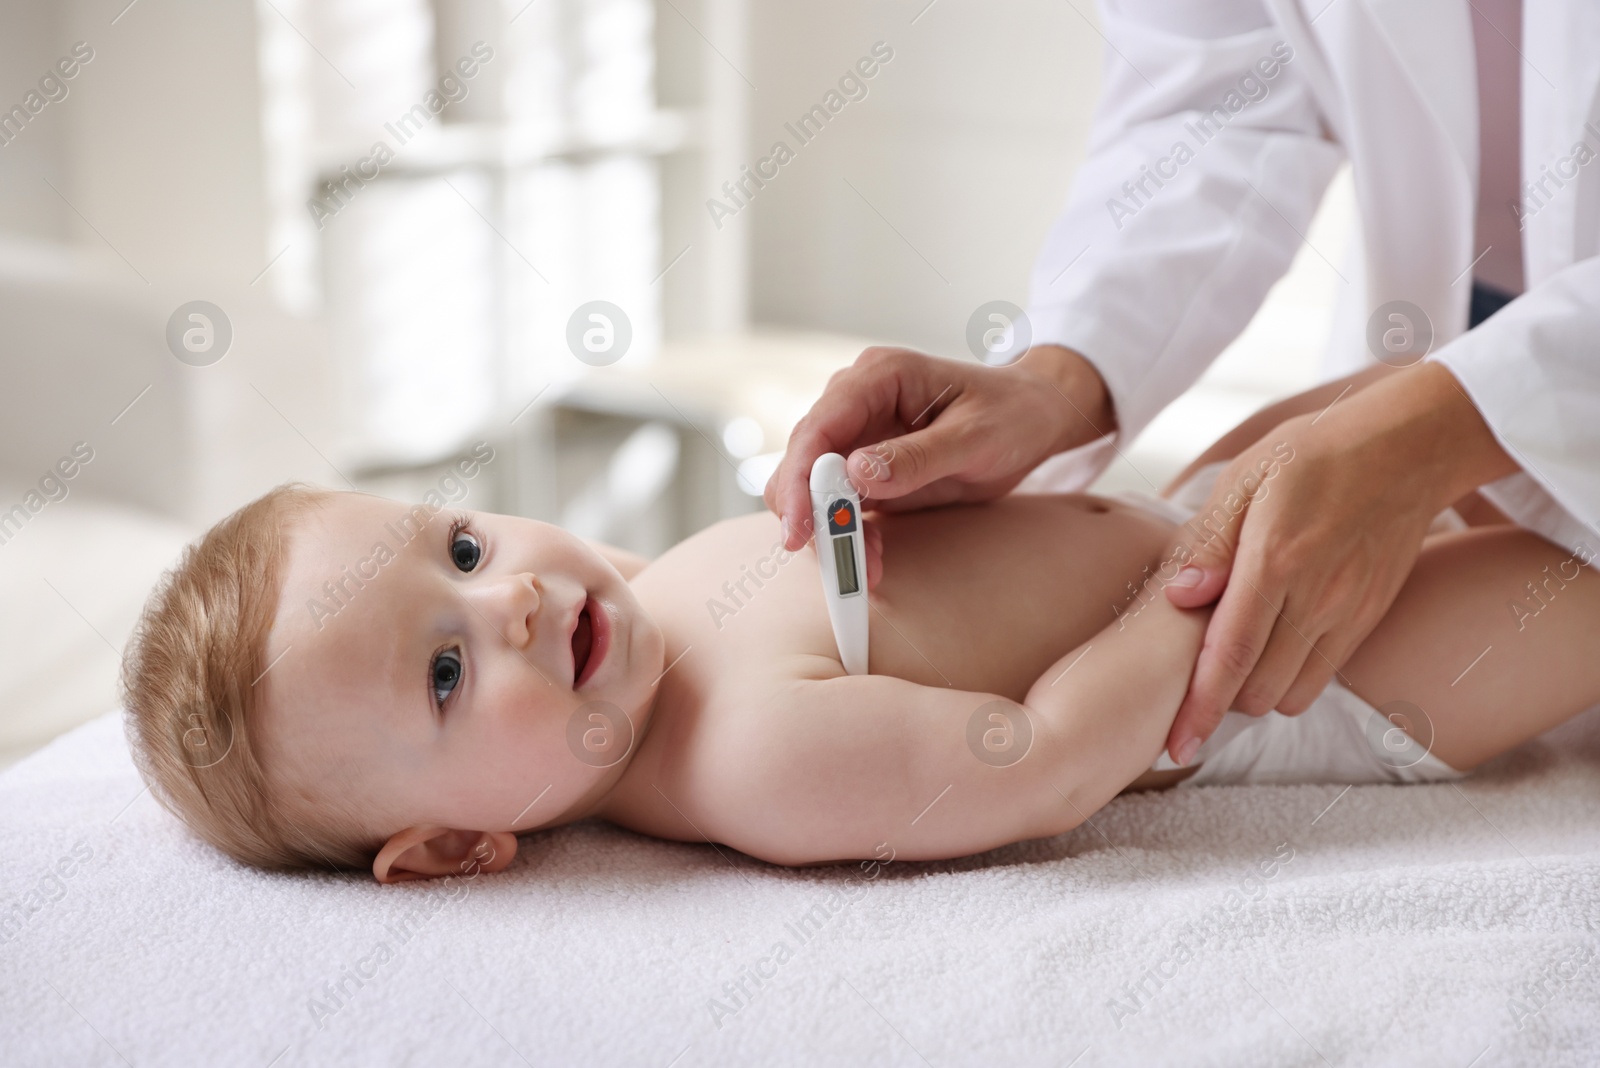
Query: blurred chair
(84, 360)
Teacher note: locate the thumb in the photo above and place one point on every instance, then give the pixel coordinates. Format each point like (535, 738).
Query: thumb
(898, 466)
(1206, 544)
(1196, 585)
(1193, 724)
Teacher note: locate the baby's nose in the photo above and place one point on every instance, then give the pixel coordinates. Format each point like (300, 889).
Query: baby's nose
(511, 604)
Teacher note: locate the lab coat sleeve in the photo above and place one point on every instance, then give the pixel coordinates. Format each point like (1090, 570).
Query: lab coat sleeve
(1533, 372)
(1206, 162)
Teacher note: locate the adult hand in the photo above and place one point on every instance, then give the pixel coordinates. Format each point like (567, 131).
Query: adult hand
(918, 431)
(1308, 536)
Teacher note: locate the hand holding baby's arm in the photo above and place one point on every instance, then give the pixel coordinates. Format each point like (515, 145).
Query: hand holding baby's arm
(840, 767)
(1114, 699)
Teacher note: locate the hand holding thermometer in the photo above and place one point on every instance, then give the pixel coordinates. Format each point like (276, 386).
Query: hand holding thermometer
(842, 552)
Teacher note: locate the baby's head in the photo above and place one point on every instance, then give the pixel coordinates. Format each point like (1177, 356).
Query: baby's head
(339, 680)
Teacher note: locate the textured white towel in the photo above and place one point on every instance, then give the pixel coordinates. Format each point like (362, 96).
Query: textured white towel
(1260, 925)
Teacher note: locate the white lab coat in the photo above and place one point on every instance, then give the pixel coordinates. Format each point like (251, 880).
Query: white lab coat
(1152, 297)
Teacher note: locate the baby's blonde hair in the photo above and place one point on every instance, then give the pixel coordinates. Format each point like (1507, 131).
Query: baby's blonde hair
(193, 708)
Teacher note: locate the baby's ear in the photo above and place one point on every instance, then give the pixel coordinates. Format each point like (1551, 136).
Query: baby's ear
(429, 852)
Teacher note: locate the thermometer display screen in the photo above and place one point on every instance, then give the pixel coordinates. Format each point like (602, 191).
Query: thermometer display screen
(844, 565)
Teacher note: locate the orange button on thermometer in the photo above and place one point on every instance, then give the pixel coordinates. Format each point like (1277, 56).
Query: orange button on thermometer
(842, 554)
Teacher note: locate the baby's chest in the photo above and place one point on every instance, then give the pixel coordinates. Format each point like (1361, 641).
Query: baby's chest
(981, 599)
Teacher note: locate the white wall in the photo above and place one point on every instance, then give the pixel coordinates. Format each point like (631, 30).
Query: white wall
(30, 41)
(965, 145)
(166, 146)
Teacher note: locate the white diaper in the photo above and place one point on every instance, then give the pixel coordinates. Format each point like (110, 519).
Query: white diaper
(1339, 739)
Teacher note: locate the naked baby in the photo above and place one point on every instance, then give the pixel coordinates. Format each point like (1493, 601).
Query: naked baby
(497, 676)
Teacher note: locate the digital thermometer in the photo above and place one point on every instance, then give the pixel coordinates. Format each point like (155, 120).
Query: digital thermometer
(842, 552)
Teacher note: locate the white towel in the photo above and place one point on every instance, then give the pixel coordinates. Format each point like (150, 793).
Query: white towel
(1260, 925)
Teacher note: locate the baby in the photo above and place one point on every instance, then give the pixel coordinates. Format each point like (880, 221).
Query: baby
(335, 679)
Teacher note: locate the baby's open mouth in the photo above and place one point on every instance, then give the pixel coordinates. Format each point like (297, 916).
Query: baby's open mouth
(588, 642)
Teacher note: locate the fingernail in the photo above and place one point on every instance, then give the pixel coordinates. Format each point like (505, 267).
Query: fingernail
(1186, 754)
(1189, 576)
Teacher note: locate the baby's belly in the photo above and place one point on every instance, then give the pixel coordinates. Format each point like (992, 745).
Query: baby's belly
(987, 597)
(981, 597)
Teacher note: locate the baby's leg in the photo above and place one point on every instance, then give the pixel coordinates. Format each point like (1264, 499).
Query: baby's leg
(1490, 660)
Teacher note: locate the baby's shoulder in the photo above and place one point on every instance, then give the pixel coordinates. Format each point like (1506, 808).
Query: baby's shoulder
(743, 610)
(709, 763)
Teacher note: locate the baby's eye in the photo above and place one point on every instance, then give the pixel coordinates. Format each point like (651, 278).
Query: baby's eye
(465, 552)
(445, 674)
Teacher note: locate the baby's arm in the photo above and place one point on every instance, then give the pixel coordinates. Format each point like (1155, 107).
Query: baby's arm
(837, 768)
